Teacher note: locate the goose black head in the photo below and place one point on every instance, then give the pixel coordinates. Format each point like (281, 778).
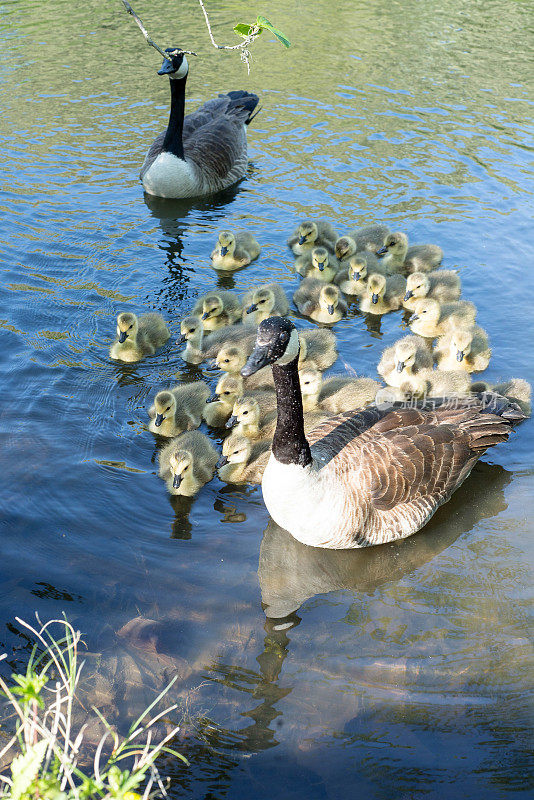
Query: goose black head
(277, 341)
(177, 67)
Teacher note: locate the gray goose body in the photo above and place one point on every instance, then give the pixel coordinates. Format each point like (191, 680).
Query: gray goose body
(204, 152)
(374, 476)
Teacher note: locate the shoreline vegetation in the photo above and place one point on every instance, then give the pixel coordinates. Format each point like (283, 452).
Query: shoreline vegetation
(46, 755)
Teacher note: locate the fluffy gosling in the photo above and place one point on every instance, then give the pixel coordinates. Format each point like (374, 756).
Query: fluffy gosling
(320, 301)
(200, 346)
(465, 349)
(404, 359)
(229, 388)
(178, 409)
(433, 319)
(310, 234)
(247, 419)
(515, 389)
(217, 309)
(443, 286)
(266, 301)
(234, 251)
(138, 337)
(399, 257)
(187, 463)
(320, 264)
(243, 461)
(233, 357)
(336, 394)
(353, 279)
(383, 294)
(317, 345)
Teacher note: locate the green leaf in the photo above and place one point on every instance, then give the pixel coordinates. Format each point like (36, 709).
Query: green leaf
(242, 29)
(262, 22)
(24, 768)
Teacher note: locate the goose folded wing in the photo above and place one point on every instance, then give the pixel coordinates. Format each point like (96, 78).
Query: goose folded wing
(218, 147)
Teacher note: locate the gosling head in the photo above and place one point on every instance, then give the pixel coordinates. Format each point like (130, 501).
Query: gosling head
(181, 464)
(230, 358)
(345, 247)
(357, 268)
(396, 244)
(229, 387)
(376, 286)
(426, 309)
(329, 299)
(236, 449)
(307, 232)
(245, 410)
(190, 328)
(226, 243)
(417, 285)
(461, 342)
(262, 300)
(405, 353)
(277, 342)
(165, 405)
(212, 306)
(310, 380)
(319, 258)
(127, 326)
(176, 67)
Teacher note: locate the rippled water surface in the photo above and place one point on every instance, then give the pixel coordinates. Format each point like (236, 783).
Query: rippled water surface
(399, 671)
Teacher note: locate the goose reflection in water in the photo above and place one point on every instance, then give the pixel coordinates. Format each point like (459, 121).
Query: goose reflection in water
(291, 572)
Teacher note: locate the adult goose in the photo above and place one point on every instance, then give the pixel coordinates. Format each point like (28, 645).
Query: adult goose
(373, 476)
(203, 152)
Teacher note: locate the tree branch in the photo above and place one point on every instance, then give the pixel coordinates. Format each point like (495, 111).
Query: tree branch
(149, 40)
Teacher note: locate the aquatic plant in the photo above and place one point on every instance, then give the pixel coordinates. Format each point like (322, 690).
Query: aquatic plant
(46, 752)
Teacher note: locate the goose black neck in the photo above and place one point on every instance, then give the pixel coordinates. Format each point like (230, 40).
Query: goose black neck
(289, 442)
(173, 136)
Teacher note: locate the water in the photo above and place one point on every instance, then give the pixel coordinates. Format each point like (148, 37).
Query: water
(399, 671)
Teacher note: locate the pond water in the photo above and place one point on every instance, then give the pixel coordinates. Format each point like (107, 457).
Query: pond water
(400, 671)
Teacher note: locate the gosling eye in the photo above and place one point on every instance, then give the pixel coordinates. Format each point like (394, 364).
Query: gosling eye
(168, 408)
(261, 301)
(131, 326)
(185, 469)
(418, 287)
(245, 413)
(235, 453)
(226, 392)
(226, 361)
(191, 330)
(424, 312)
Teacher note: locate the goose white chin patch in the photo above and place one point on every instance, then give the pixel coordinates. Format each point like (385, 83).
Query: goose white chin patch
(182, 72)
(292, 349)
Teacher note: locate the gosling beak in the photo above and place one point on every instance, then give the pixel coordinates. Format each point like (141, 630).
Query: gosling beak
(321, 266)
(232, 421)
(400, 366)
(182, 339)
(330, 310)
(176, 481)
(356, 276)
(159, 419)
(166, 68)
(221, 462)
(415, 316)
(253, 307)
(408, 294)
(382, 251)
(374, 299)
(212, 399)
(460, 356)
(205, 315)
(224, 251)
(302, 239)
(122, 336)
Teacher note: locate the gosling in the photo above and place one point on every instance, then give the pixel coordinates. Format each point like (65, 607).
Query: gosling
(370, 238)
(310, 234)
(337, 394)
(320, 264)
(320, 301)
(200, 346)
(443, 286)
(243, 461)
(404, 359)
(229, 388)
(234, 251)
(247, 419)
(516, 389)
(317, 345)
(266, 301)
(179, 409)
(187, 463)
(465, 349)
(353, 279)
(217, 309)
(138, 337)
(383, 294)
(417, 258)
(433, 319)
(435, 383)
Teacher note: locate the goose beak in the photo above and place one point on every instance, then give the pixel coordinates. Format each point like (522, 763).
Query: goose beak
(330, 310)
(224, 251)
(159, 419)
(382, 251)
(302, 239)
(374, 299)
(408, 294)
(460, 356)
(232, 421)
(400, 366)
(253, 307)
(221, 462)
(205, 315)
(176, 481)
(166, 68)
(260, 357)
(122, 336)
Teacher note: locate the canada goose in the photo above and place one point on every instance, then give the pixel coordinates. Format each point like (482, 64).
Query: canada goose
(138, 337)
(370, 477)
(320, 264)
(407, 357)
(310, 234)
(200, 346)
(463, 349)
(243, 461)
(443, 286)
(205, 152)
(232, 357)
(268, 300)
(234, 250)
(229, 388)
(353, 279)
(217, 309)
(336, 394)
(317, 345)
(383, 294)
(178, 409)
(248, 420)
(417, 258)
(516, 389)
(435, 319)
(187, 463)
(320, 301)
